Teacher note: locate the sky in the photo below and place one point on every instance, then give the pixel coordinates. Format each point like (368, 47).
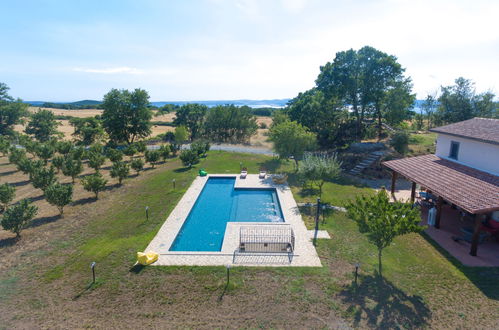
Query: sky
(235, 49)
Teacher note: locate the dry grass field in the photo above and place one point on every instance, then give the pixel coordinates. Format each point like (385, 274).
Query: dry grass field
(258, 140)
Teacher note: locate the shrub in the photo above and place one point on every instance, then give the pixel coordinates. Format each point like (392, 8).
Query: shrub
(7, 193)
(141, 147)
(201, 147)
(96, 160)
(400, 142)
(130, 150)
(94, 183)
(59, 195)
(58, 162)
(17, 217)
(120, 170)
(152, 156)
(45, 151)
(137, 165)
(72, 168)
(189, 157)
(263, 126)
(64, 147)
(165, 151)
(114, 155)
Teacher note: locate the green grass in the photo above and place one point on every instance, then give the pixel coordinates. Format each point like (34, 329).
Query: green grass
(421, 144)
(422, 286)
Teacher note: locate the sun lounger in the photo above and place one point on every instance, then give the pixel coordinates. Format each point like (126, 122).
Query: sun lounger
(262, 174)
(244, 173)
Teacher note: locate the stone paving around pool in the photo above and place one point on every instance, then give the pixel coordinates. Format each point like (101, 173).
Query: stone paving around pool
(305, 253)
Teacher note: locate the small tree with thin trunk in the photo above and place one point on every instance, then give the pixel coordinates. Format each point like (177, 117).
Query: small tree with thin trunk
(7, 193)
(189, 157)
(137, 165)
(96, 160)
(58, 162)
(120, 170)
(165, 151)
(42, 177)
(18, 217)
(130, 151)
(319, 169)
(59, 195)
(94, 183)
(45, 151)
(382, 221)
(152, 157)
(114, 155)
(72, 168)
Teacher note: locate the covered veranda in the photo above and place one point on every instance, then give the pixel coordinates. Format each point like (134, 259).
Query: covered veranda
(464, 198)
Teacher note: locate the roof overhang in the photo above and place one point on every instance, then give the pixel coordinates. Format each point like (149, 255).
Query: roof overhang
(470, 189)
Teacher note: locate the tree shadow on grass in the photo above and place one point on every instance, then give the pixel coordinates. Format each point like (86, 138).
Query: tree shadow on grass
(181, 170)
(37, 198)
(44, 220)
(484, 278)
(8, 241)
(272, 165)
(8, 173)
(20, 183)
(137, 268)
(83, 201)
(385, 305)
(113, 186)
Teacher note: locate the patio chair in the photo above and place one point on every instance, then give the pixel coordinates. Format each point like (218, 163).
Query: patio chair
(244, 173)
(263, 173)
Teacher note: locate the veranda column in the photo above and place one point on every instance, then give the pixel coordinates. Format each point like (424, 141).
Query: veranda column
(439, 212)
(476, 233)
(413, 192)
(394, 179)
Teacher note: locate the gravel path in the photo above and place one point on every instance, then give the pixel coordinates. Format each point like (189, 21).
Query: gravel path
(229, 148)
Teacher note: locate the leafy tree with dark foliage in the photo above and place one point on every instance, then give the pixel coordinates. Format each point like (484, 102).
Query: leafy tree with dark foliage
(87, 130)
(12, 111)
(126, 115)
(42, 125)
(18, 217)
(192, 116)
(59, 195)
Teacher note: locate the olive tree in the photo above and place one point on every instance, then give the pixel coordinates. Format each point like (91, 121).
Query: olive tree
(152, 157)
(189, 157)
(18, 216)
(72, 168)
(319, 169)
(42, 177)
(137, 165)
(96, 160)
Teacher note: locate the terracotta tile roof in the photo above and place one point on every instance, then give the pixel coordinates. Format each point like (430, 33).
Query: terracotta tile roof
(482, 129)
(472, 190)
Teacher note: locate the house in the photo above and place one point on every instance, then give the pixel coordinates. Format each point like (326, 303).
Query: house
(463, 173)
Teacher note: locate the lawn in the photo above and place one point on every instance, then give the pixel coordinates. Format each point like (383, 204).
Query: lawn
(49, 286)
(422, 143)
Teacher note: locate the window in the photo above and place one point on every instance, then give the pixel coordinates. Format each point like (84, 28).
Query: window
(454, 149)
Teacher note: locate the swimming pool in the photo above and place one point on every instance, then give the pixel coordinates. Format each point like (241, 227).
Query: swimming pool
(218, 203)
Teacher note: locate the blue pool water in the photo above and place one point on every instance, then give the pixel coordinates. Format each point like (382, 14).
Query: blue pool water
(219, 203)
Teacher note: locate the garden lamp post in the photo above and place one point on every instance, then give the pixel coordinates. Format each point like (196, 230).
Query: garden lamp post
(357, 266)
(317, 215)
(173, 182)
(92, 266)
(147, 213)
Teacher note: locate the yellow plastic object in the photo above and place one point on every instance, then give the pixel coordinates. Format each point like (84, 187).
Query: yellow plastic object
(147, 258)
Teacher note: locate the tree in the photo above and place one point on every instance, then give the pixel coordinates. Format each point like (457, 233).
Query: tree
(18, 217)
(126, 115)
(96, 160)
(114, 155)
(201, 147)
(12, 111)
(42, 125)
(229, 123)
(72, 168)
(130, 150)
(120, 170)
(164, 151)
(137, 165)
(292, 139)
(4, 145)
(45, 151)
(400, 142)
(382, 220)
(42, 177)
(96, 148)
(59, 195)
(398, 101)
(64, 147)
(192, 116)
(429, 107)
(87, 130)
(94, 183)
(141, 147)
(58, 162)
(181, 134)
(16, 155)
(319, 169)
(152, 157)
(7, 193)
(460, 102)
(189, 157)
(77, 153)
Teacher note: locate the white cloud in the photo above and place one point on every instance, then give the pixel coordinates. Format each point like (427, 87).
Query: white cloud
(116, 70)
(294, 6)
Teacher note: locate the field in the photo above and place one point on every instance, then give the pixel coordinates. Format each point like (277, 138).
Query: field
(44, 277)
(258, 140)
